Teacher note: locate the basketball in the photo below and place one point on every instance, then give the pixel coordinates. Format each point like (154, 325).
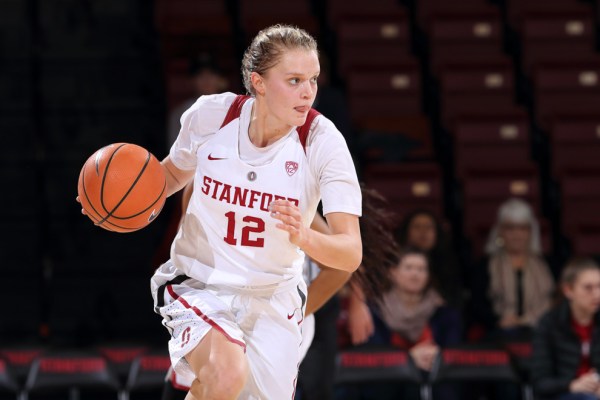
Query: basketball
(122, 187)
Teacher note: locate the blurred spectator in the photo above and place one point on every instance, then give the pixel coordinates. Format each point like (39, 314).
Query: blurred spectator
(410, 315)
(205, 77)
(513, 287)
(566, 345)
(421, 229)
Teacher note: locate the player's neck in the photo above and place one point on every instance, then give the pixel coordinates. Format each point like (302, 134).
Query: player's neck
(264, 128)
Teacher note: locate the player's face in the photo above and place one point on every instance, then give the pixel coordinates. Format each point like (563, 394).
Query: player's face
(411, 274)
(290, 86)
(584, 294)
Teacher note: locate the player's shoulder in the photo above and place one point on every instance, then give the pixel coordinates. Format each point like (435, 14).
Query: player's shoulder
(324, 130)
(214, 102)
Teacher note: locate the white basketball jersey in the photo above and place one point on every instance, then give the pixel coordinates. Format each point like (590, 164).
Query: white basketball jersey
(228, 236)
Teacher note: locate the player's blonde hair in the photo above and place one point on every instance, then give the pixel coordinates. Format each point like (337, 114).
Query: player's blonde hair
(268, 46)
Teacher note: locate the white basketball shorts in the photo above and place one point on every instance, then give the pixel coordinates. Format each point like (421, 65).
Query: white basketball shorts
(265, 321)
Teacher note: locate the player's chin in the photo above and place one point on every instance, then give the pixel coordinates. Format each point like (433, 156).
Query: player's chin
(298, 119)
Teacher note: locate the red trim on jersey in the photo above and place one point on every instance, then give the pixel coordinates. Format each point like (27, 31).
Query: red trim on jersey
(204, 317)
(304, 130)
(235, 110)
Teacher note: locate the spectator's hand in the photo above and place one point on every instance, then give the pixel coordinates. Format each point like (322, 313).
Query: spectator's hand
(360, 321)
(509, 321)
(424, 354)
(587, 383)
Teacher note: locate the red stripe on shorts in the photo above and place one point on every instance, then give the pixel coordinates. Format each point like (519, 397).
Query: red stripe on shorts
(204, 317)
(177, 385)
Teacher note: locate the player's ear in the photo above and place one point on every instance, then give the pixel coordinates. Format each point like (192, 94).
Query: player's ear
(258, 83)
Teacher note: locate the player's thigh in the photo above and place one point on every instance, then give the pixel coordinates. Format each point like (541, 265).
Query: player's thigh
(217, 353)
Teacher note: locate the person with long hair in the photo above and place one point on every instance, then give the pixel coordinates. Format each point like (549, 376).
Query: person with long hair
(513, 287)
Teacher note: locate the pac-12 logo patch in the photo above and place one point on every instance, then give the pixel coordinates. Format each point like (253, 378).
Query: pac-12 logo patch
(291, 167)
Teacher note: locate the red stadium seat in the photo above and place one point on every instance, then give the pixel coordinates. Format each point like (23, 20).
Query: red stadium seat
(396, 139)
(477, 105)
(259, 14)
(61, 372)
(407, 186)
(586, 241)
(488, 86)
(428, 10)
(549, 34)
(385, 92)
(452, 59)
(580, 198)
(372, 43)
(575, 144)
(566, 90)
(495, 138)
(487, 185)
(518, 10)
(338, 10)
(459, 32)
(147, 373)
(193, 17)
(376, 365)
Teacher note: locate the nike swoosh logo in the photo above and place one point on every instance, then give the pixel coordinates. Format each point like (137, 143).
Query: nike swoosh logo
(211, 158)
(290, 316)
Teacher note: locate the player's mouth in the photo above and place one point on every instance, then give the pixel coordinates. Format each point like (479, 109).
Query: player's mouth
(302, 109)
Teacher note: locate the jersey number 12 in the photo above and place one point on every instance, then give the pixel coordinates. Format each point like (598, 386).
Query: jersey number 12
(254, 225)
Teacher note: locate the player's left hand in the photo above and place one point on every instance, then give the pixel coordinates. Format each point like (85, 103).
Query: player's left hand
(290, 221)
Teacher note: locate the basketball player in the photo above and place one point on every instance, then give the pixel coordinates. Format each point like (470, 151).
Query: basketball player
(324, 283)
(232, 295)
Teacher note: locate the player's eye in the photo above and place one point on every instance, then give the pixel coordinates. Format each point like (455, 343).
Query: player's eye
(314, 79)
(294, 81)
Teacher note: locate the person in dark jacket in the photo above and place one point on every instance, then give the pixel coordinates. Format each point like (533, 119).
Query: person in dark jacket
(566, 343)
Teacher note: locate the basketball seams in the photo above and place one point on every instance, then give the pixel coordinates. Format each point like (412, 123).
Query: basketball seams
(104, 180)
(148, 208)
(97, 219)
(110, 214)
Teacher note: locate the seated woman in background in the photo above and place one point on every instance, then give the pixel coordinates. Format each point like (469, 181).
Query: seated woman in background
(422, 230)
(409, 315)
(566, 343)
(514, 286)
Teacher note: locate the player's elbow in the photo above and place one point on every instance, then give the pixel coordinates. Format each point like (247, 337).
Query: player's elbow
(355, 257)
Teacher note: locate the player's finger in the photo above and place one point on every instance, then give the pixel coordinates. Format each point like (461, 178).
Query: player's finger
(284, 206)
(286, 219)
(290, 229)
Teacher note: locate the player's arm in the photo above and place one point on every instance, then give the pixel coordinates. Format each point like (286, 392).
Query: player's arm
(329, 281)
(176, 178)
(340, 249)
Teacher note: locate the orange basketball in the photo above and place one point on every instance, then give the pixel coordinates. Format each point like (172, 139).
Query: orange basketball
(122, 187)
